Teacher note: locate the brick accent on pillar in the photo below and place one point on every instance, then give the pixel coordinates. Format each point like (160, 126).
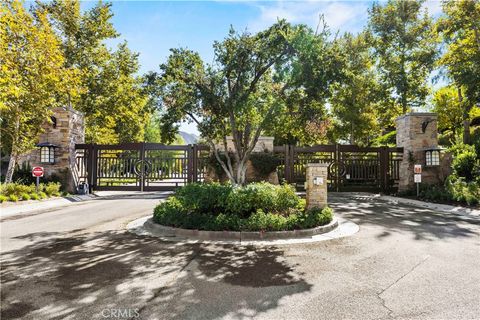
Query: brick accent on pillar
(316, 194)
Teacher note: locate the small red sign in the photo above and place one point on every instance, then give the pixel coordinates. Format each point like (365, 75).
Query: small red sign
(417, 169)
(37, 172)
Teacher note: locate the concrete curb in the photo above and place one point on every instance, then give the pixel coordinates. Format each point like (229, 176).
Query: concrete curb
(338, 228)
(156, 228)
(433, 206)
(35, 206)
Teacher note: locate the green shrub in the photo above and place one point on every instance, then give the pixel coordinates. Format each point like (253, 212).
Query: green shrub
(464, 164)
(435, 193)
(388, 138)
(34, 196)
(462, 191)
(205, 198)
(255, 207)
(52, 189)
(3, 198)
(25, 196)
(13, 198)
(264, 163)
(16, 189)
(42, 195)
(456, 189)
(23, 174)
(265, 196)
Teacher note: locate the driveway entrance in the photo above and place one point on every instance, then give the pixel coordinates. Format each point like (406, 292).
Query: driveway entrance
(404, 263)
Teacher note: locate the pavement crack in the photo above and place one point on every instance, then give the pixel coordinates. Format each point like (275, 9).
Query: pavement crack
(390, 311)
(404, 275)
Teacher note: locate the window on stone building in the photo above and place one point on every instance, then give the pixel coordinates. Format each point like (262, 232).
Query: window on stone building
(432, 157)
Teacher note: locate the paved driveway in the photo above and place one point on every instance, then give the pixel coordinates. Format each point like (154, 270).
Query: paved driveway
(79, 263)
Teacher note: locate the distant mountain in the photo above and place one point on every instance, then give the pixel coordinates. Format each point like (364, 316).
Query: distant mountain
(189, 138)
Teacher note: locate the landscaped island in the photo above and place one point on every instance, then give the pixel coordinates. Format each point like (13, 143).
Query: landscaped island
(255, 207)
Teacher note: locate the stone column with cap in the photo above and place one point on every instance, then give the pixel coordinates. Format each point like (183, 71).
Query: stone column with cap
(416, 133)
(316, 185)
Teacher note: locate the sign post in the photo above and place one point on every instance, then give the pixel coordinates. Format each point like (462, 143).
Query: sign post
(38, 172)
(417, 178)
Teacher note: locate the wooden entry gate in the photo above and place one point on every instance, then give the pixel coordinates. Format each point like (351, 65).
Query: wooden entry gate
(350, 167)
(158, 167)
(140, 166)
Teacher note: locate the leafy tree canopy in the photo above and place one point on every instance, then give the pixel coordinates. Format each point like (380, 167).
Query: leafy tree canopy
(234, 96)
(33, 78)
(406, 46)
(113, 100)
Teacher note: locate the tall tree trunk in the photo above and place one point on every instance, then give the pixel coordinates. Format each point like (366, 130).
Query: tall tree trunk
(11, 167)
(14, 152)
(466, 120)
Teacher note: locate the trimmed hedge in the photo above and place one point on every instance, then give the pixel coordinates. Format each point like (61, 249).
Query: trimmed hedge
(255, 207)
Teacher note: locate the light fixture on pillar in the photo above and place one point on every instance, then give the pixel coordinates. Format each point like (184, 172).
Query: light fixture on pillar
(432, 157)
(47, 152)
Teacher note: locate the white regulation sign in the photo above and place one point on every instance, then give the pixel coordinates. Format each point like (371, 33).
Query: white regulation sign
(417, 178)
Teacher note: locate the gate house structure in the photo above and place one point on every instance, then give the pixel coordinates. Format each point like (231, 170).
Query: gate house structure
(153, 166)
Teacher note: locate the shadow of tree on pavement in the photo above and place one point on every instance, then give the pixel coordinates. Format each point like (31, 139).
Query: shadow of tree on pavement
(422, 224)
(78, 275)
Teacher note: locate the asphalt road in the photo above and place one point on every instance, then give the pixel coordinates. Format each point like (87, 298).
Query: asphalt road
(80, 263)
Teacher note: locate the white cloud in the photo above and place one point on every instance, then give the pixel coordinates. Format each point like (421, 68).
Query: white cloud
(344, 16)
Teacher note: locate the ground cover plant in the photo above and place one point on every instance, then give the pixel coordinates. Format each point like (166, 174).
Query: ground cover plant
(462, 185)
(17, 191)
(254, 207)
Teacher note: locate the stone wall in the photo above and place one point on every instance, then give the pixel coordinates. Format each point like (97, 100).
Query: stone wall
(417, 132)
(264, 144)
(251, 175)
(69, 130)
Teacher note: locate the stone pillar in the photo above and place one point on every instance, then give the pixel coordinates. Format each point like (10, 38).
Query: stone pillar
(416, 132)
(316, 185)
(65, 130)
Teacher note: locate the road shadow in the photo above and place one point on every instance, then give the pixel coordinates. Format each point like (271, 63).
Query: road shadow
(421, 223)
(78, 276)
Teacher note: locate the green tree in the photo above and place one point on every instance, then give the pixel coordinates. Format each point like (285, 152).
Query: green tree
(406, 46)
(449, 109)
(153, 131)
(233, 96)
(304, 88)
(33, 78)
(460, 27)
(354, 100)
(113, 101)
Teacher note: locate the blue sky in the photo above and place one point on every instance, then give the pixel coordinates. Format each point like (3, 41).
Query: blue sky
(153, 27)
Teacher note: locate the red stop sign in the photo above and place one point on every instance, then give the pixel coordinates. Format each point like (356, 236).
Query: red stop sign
(37, 172)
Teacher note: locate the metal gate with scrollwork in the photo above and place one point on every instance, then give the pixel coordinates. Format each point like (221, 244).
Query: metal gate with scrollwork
(140, 166)
(350, 167)
(154, 166)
